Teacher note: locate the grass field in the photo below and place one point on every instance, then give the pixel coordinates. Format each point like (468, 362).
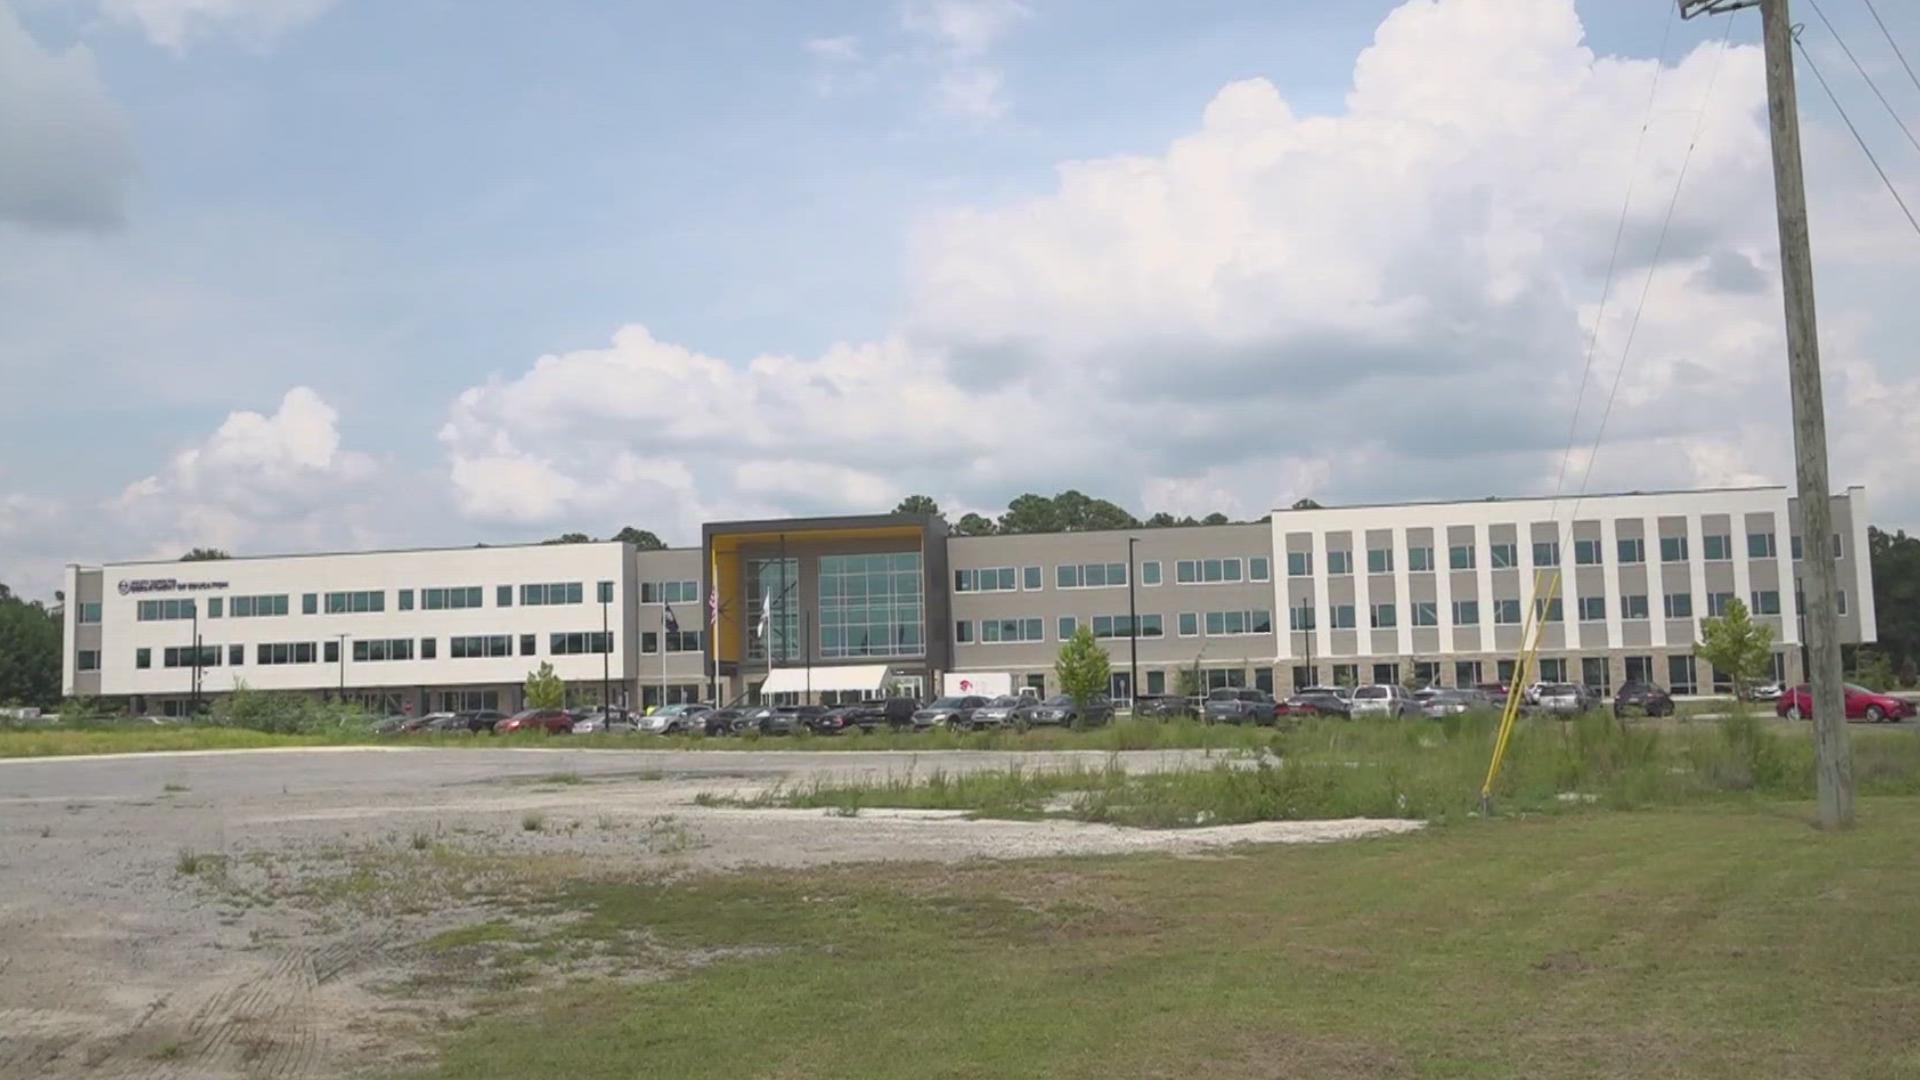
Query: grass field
(1727, 941)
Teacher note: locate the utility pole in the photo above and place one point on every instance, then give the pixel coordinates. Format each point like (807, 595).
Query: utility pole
(1833, 756)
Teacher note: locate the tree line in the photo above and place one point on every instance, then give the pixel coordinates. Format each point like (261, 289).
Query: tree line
(1069, 511)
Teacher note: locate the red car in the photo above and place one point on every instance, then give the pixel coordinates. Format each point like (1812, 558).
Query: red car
(551, 721)
(1862, 704)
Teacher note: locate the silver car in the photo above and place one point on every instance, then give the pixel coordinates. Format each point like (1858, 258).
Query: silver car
(1002, 712)
(1564, 699)
(1440, 702)
(1382, 699)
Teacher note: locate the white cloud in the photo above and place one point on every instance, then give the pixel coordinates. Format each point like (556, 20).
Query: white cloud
(65, 156)
(174, 24)
(844, 49)
(963, 34)
(282, 480)
(1389, 301)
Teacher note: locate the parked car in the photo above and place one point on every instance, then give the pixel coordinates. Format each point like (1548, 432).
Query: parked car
(551, 721)
(953, 711)
(395, 724)
(602, 722)
(1564, 699)
(440, 723)
(481, 720)
(685, 718)
(1766, 692)
(852, 718)
(1643, 698)
(1861, 704)
(1162, 707)
(1443, 702)
(1496, 692)
(1239, 705)
(1006, 711)
(1061, 710)
(1318, 701)
(779, 719)
(1381, 699)
(897, 712)
(722, 721)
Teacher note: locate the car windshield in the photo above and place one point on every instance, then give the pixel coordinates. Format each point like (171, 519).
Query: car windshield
(1369, 693)
(1059, 699)
(1559, 689)
(1852, 689)
(948, 703)
(1005, 701)
(1222, 695)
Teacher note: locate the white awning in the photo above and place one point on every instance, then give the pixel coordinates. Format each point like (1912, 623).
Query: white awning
(794, 680)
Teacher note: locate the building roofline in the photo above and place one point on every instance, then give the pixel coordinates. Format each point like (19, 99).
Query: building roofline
(367, 552)
(1570, 499)
(1142, 532)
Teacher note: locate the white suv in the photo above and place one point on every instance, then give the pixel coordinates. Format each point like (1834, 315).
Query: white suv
(1380, 699)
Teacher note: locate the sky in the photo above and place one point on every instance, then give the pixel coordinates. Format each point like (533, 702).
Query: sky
(282, 275)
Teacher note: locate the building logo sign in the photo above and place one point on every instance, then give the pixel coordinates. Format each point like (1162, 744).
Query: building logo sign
(153, 585)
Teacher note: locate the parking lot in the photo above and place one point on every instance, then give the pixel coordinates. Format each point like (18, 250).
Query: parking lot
(197, 914)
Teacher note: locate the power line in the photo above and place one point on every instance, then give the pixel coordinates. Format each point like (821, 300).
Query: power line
(1613, 258)
(1871, 85)
(1884, 32)
(1822, 80)
(1653, 266)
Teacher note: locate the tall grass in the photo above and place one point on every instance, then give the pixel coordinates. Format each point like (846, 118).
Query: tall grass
(1412, 769)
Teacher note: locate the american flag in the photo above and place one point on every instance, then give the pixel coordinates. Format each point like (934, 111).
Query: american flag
(673, 624)
(713, 605)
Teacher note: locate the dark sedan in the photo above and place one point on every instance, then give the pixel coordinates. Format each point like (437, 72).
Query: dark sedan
(1162, 707)
(481, 720)
(1318, 701)
(1061, 710)
(1239, 705)
(1002, 712)
(853, 718)
(779, 719)
(1643, 698)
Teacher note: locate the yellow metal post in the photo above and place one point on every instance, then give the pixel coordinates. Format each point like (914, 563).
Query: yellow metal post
(1529, 646)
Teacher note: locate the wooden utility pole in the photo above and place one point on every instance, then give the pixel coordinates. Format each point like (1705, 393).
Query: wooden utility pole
(1833, 755)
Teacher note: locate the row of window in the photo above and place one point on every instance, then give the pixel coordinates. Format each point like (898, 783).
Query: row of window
(265, 653)
(667, 592)
(1506, 612)
(678, 641)
(1217, 571)
(449, 598)
(1505, 555)
(1225, 570)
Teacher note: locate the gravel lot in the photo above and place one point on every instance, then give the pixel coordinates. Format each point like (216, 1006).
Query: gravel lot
(117, 962)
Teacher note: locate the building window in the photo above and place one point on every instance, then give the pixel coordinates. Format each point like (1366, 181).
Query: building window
(1765, 602)
(90, 613)
(1504, 556)
(772, 591)
(1760, 546)
(1258, 569)
(1426, 613)
(1090, 575)
(1420, 559)
(1673, 549)
(213, 607)
(428, 648)
(143, 658)
(1300, 618)
(183, 656)
(1189, 624)
(332, 650)
(1014, 631)
(1546, 553)
(1593, 608)
(1226, 678)
(1460, 557)
(1379, 560)
(872, 605)
(1069, 626)
(1385, 616)
(1263, 679)
(1506, 612)
(1150, 573)
(1466, 613)
(990, 579)
(1717, 547)
(1156, 682)
(1838, 552)
(1553, 669)
(342, 603)
(1586, 552)
(1341, 616)
(529, 645)
(284, 652)
(1679, 605)
(963, 632)
(584, 643)
(1796, 549)
(649, 642)
(1299, 564)
(452, 597)
(1386, 674)
(1632, 550)
(87, 660)
(1717, 603)
(479, 646)
(1681, 675)
(1032, 579)
(236, 655)
(377, 650)
(604, 592)
(1339, 562)
(1840, 601)
(1207, 571)
(1633, 607)
(552, 593)
(503, 596)
(1466, 673)
(406, 599)
(1547, 610)
(163, 610)
(248, 607)
(1346, 674)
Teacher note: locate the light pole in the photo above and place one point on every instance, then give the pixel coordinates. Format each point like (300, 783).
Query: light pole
(1305, 619)
(193, 677)
(340, 654)
(606, 658)
(1133, 632)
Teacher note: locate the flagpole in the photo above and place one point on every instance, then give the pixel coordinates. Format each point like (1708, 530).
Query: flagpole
(666, 616)
(713, 623)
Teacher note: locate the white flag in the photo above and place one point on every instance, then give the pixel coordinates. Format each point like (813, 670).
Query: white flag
(766, 614)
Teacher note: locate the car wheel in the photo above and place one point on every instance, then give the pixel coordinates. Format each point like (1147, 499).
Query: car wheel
(1875, 714)
(1793, 712)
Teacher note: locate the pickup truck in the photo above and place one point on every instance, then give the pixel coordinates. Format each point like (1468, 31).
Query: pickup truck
(1238, 705)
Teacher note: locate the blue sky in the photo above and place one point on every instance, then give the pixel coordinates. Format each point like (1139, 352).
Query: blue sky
(393, 204)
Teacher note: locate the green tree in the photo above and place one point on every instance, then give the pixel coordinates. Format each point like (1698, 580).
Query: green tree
(973, 525)
(1737, 647)
(1895, 559)
(918, 504)
(1030, 513)
(1084, 670)
(640, 538)
(544, 689)
(1307, 504)
(1216, 518)
(29, 652)
(570, 538)
(204, 554)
